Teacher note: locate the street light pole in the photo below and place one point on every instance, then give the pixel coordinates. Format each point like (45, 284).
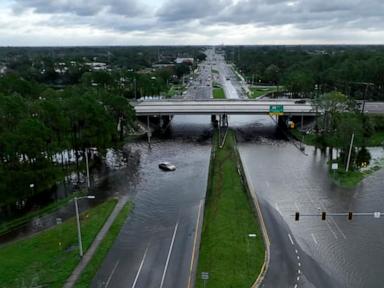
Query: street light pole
(350, 151)
(86, 163)
(78, 222)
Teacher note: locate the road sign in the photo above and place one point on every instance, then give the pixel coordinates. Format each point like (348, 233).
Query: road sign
(335, 166)
(204, 275)
(276, 109)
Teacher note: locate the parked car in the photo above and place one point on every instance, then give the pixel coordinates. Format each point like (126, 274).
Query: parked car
(301, 101)
(166, 166)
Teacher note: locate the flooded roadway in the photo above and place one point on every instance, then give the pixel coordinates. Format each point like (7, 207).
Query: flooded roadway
(312, 252)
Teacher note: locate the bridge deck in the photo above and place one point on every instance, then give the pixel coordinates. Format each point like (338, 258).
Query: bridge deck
(172, 107)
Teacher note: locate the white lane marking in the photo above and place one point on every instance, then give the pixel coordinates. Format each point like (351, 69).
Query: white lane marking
(277, 208)
(314, 239)
(296, 251)
(141, 266)
(169, 255)
(298, 278)
(334, 222)
(110, 276)
(295, 286)
(338, 228)
(298, 257)
(330, 228)
(194, 245)
(298, 271)
(299, 264)
(290, 239)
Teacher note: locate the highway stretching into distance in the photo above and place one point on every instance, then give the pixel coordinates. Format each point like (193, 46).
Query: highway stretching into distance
(156, 246)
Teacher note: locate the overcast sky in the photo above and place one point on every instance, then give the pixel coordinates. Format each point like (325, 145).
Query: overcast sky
(173, 22)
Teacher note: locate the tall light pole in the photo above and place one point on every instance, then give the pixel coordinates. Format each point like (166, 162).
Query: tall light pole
(87, 168)
(78, 221)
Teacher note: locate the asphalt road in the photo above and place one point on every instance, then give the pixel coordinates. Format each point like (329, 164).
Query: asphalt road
(156, 245)
(333, 253)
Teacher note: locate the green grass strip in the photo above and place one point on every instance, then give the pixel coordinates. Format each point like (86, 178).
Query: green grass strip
(232, 258)
(101, 252)
(218, 93)
(258, 92)
(48, 258)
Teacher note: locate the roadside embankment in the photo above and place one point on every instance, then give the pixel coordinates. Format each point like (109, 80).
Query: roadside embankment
(48, 258)
(232, 248)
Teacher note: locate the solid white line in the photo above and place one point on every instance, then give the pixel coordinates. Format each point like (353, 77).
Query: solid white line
(338, 228)
(314, 239)
(194, 245)
(330, 228)
(113, 271)
(169, 255)
(141, 266)
(290, 239)
(277, 208)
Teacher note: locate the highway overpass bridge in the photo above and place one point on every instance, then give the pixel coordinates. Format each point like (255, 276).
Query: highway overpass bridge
(221, 107)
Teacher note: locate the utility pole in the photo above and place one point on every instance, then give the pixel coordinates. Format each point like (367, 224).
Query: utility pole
(350, 151)
(134, 85)
(87, 166)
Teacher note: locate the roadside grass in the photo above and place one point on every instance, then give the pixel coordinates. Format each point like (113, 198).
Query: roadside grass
(48, 258)
(175, 90)
(232, 258)
(257, 92)
(348, 179)
(93, 266)
(308, 139)
(218, 93)
(377, 139)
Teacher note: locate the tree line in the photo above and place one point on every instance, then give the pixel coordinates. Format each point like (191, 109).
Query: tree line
(308, 71)
(38, 125)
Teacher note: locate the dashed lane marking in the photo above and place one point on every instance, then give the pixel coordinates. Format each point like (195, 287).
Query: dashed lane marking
(290, 239)
(314, 239)
(140, 267)
(169, 255)
(110, 276)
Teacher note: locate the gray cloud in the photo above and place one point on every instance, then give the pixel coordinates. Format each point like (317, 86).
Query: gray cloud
(79, 7)
(194, 16)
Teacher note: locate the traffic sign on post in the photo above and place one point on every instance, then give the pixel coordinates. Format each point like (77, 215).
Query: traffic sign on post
(276, 109)
(204, 275)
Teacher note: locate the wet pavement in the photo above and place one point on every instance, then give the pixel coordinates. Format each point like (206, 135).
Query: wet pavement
(333, 253)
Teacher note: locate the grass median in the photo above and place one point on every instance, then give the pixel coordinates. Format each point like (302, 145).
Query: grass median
(232, 258)
(90, 271)
(218, 93)
(48, 258)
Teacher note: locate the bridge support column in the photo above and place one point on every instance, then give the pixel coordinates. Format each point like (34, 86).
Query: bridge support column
(148, 132)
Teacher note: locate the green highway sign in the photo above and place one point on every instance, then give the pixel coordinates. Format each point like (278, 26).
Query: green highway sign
(276, 109)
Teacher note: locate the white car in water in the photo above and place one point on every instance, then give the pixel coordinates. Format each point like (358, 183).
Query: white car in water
(166, 166)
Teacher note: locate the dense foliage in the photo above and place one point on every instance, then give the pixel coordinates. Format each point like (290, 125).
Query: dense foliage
(357, 71)
(38, 125)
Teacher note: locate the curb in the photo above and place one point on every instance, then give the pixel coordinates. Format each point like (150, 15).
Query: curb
(264, 231)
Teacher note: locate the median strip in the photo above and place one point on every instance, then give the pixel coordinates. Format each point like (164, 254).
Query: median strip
(230, 256)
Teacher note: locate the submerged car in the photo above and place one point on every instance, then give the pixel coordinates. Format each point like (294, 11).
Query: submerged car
(166, 166)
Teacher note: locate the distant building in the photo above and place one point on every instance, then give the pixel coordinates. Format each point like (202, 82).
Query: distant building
(162, 65)
(97, 66)
(3, 69)
(184, 60)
